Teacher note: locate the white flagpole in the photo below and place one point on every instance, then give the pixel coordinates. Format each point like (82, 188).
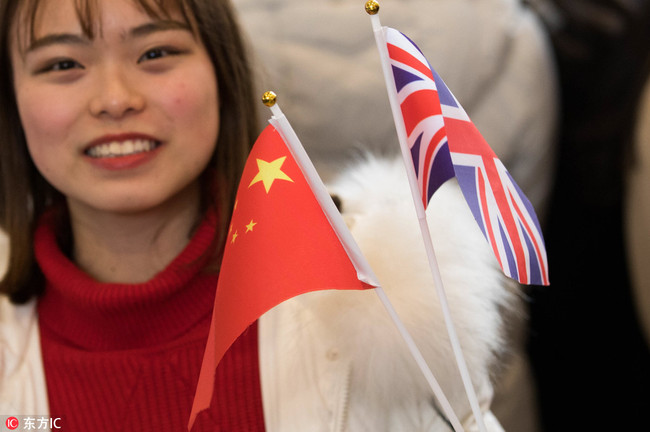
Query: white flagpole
(372, 8)
(280, 122)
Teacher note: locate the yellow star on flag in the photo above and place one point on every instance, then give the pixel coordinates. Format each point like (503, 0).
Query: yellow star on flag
(250, 226)
(234, 237)
(269, 172)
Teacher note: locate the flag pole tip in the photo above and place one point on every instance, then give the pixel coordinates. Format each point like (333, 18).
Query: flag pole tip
(269, 98)
(372, 7)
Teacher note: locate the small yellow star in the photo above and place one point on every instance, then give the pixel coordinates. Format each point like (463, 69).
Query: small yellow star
(269, 172)
(250, 226)
(234, 237)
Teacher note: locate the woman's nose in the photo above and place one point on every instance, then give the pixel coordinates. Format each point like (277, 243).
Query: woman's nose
(116, 95)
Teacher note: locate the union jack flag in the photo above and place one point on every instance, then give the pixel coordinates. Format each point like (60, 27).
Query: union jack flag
(444, 143)
(417, 96)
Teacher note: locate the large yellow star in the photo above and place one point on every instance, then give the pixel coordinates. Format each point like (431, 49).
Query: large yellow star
(269, 172)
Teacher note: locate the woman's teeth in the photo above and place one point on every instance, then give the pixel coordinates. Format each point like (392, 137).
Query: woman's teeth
(121, 148)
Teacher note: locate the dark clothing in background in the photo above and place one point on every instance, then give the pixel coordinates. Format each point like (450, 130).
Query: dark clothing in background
(589, 357)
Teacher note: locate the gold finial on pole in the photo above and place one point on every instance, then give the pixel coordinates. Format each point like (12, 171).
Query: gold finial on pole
(269, 98)
(372, 7)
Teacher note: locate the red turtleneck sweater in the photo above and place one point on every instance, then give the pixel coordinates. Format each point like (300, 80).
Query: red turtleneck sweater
(127, 357)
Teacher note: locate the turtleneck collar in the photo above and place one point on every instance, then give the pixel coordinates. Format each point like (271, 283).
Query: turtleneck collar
(94, 316)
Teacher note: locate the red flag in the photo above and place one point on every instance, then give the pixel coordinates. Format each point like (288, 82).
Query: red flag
(280, 244)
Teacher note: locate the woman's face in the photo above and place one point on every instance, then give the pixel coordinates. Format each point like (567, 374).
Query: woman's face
(123, 122)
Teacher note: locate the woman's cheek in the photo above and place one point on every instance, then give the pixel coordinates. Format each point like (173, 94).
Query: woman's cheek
(47, 116)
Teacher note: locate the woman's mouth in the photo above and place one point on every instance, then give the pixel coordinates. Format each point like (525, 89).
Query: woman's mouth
(127, 147)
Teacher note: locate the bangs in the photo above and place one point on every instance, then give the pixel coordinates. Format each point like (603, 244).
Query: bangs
(88, 12)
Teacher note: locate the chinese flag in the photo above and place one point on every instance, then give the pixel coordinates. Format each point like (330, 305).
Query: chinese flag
(280, 244)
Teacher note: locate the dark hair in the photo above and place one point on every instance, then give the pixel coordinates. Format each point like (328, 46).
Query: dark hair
(25, 194)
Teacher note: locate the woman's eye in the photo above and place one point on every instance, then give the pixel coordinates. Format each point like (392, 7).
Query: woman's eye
(62, 65)
(156, 53)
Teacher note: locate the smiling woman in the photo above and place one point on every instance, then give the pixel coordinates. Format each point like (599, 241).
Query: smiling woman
(143, 84)
(121, 108)
(124, 128)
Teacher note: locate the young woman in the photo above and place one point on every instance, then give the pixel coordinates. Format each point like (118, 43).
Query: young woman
(124, 126)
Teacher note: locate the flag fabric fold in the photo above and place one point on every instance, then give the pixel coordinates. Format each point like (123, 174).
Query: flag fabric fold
(443, 143)
(280, 244)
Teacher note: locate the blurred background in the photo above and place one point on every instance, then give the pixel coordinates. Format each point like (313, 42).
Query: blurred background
(590, 330)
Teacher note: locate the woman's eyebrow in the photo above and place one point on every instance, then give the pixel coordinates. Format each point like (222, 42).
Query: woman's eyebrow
(75, 39)
(156, 26)
(57, 38)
